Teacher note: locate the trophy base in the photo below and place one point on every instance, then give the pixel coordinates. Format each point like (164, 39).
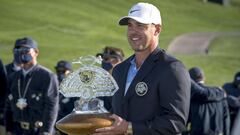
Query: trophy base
(83, 124)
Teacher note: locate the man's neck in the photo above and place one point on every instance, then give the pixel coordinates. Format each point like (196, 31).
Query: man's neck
(29, 65)
(142, 56)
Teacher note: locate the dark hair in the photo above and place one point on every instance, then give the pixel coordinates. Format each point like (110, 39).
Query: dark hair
(196, 74)
(64, 64)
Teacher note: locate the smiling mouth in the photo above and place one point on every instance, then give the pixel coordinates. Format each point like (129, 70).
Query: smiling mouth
(135, 39)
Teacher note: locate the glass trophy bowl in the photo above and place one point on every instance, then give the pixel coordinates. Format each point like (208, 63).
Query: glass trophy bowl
(88, 82)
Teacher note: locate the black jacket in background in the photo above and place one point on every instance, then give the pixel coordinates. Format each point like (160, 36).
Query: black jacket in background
(233, 99)
(3, 90)
(42, 98)
(211, 116)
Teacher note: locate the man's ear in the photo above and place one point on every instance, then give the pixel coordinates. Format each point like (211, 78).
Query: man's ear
(36, 51)
(158, 29)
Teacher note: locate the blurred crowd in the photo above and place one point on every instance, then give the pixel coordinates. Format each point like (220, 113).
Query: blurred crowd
(31, 103)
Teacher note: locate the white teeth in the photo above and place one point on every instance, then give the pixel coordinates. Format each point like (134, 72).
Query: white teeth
(134, 39)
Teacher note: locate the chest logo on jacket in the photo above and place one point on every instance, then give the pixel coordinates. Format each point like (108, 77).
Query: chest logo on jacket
(141, 88)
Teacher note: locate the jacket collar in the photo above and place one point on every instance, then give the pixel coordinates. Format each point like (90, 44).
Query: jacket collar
(146, 67)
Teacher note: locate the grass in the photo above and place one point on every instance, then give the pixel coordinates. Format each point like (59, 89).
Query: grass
(222, 62)
(73, 28)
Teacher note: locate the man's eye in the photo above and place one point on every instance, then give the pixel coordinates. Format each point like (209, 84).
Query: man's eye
(141, 25)
(129, 24)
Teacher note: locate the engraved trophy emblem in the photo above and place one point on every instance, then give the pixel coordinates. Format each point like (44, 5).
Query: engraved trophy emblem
(88, 82)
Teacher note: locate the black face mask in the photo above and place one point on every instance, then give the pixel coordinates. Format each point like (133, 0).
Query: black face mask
(107, 66)
(25, 58)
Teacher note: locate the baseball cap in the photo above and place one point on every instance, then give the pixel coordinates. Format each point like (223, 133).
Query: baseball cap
(196, 73)
(144, 13)
(64, 64)
(113, 52)
(26, 42)
(109, 52)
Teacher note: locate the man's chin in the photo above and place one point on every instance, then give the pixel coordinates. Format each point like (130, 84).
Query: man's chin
(138, 49)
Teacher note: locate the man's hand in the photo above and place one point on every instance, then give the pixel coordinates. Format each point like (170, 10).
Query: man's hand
(119, 127)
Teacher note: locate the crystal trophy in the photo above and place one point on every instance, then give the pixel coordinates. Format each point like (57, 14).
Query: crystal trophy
(88, 82)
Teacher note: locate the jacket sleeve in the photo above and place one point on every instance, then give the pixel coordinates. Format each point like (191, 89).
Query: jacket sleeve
(51, 105)
(174, 98)
(205, 94)
(226, 118)
(233, 102)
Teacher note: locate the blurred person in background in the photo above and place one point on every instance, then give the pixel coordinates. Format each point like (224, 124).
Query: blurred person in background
(15, 65)
(208, 116)
(3, 90)
(66, 104)
(111, 56)
(12, 67)
(32, 99)
(236, 126)
(233, 96)
(63, 68)
(201, 94)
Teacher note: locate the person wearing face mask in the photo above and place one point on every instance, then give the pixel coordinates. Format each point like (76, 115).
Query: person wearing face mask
(32, 99)
(111, 56)
(63, 68)
(66, 104)
(233, 96)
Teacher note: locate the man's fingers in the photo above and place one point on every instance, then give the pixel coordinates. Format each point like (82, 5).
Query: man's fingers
(114, 116)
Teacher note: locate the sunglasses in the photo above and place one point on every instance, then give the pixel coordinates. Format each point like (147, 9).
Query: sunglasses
(22, 50)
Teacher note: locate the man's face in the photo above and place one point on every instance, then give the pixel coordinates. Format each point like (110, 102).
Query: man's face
(113, 60)
(27, 51)
(61, 70)
(62, 73)
(140, 36)
(33, 53)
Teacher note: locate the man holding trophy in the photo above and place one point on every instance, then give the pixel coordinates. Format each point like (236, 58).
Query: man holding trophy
(154, 87)
(151, 90)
